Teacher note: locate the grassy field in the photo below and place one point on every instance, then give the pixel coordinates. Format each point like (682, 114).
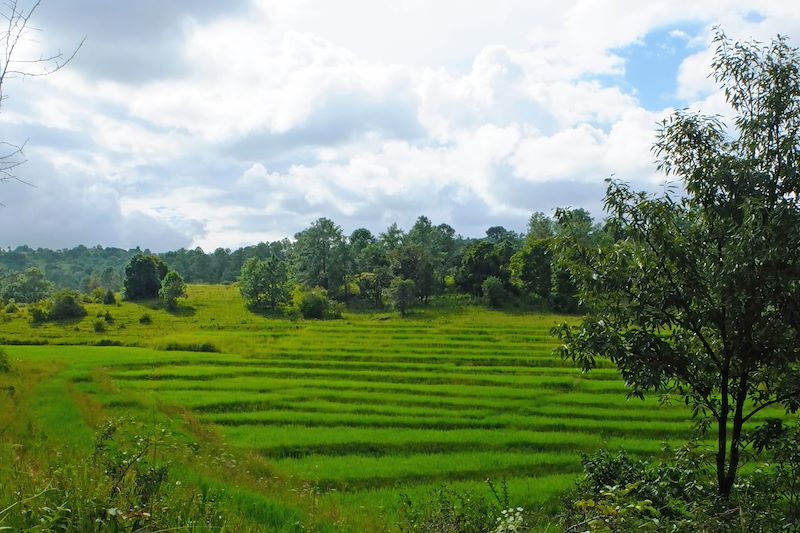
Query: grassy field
(328, 422)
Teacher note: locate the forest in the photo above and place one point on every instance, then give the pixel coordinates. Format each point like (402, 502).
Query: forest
(505, 267)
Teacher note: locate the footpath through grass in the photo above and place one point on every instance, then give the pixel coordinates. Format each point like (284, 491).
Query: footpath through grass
(330, 421)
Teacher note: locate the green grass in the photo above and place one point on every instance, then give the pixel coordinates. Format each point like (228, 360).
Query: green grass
(371, 405)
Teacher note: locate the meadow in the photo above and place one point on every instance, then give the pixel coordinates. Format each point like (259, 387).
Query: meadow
(327, 423)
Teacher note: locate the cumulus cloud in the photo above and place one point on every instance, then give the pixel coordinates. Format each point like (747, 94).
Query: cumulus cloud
(200, 123)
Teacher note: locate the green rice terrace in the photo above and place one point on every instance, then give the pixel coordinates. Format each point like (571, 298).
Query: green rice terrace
(322, 422)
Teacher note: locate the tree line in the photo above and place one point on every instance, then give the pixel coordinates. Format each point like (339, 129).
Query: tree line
(360, 269)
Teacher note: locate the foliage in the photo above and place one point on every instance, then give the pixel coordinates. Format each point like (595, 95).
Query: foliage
(401, 294)
(99, 326)
(109, 298)
(320, 256)
(618, 493)
(483, 259)
(265, 284)
(143, 276)
(66, 305)
(699, 296)
(121, 486)
(5, 364)
(172, 288)
(28, 286)
(145, 319)
(315, 304)
(531, 269)
(494, 292)
(445, 510)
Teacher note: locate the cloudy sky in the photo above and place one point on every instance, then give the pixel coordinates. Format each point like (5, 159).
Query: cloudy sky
(208, 123)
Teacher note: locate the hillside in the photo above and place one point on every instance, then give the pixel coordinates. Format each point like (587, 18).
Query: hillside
(344, 414)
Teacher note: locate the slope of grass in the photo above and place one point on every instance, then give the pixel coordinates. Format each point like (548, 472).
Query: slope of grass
(371, 405)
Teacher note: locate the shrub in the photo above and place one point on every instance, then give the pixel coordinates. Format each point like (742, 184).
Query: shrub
(38, 313)
(315, 304)
(402, 294)
(99, 326)
(145, 319)
(5, 365)
(190, 347)
(97, 295)
(11, 307)
(65, 306)
(494, 292)
(109, 298)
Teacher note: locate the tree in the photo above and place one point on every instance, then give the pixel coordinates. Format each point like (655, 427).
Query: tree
(700, 296)
(143, 277)
(27, 287)
(172, 288)
(265, 284)
(402, 293)
(320, 256)
(12, 36)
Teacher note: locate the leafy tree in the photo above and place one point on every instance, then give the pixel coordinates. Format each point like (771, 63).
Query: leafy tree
(265, 284)
(402, 294)
(143, 277)
(701, 297)
(531, 268)
(496, 295)
(172, 288)
(320, 256)
(27, 287)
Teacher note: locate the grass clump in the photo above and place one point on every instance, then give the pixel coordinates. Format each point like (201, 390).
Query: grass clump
(175, 346)
(5, 364)
(145, 319)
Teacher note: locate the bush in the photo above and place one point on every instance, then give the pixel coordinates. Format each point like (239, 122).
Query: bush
(66, 306)
(97, 295)
(621, 494)
(5, 365)
(99, 326)
(494, 292)
(11, 308)
(401, 294)
(145, 319)
(315, 304)
(109, 298)
(38, 313)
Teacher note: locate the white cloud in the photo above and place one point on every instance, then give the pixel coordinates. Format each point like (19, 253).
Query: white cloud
(368, 112)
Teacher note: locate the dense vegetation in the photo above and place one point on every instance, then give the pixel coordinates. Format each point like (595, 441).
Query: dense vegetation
(355, 270)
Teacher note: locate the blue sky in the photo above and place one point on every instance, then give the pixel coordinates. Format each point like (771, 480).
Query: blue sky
(202, 123)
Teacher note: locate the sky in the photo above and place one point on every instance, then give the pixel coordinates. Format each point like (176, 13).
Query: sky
(222, 124)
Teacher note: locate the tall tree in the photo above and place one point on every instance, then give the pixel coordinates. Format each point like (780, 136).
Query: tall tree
(265, 284)
(320, 256)
(700, 297)
(143, 277)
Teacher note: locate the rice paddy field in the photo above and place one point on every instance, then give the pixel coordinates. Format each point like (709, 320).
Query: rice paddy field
(332, 421)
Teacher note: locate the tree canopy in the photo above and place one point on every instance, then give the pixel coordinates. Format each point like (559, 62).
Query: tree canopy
(700, 295)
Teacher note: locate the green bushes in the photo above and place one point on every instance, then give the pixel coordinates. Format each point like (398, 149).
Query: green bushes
(314, 304)
(64, 305)
(494, 292)
(5, 365)
(619, 493)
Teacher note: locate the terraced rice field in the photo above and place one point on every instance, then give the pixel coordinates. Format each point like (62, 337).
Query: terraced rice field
(374, 405)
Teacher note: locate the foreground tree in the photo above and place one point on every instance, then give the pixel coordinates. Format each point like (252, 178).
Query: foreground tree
(700, 295)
